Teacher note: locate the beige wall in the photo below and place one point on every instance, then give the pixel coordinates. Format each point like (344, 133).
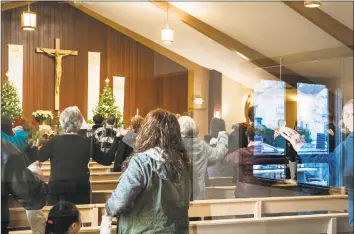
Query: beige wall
(198, 85)
(233, 98)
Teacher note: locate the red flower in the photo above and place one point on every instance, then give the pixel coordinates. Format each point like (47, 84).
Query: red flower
(19, 122)
(34, 123)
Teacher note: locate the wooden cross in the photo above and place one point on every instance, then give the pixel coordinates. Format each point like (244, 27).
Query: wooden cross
(58, 54)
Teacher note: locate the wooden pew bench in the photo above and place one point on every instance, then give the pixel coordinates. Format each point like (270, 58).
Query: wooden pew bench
(220, 181)
(304, 224)
(273, 205)
(46, 164)
(96, 176)
(101, 169)
(220, 192)
(217, 208)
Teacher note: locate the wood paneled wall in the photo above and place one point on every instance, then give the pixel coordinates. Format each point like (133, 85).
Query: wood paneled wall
(120, 56)
(215, 89)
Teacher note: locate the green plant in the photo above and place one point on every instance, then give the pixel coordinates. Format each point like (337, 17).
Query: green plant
(107, 107)
(10, 101)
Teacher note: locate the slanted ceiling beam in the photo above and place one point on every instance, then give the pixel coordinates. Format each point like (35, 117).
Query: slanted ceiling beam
(230, 43)
(324, 21)
(14, 4)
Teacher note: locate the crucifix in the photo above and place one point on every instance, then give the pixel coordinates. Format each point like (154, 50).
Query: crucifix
(58, 54)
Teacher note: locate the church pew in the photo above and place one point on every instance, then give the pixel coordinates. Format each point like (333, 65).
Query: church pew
(97, 176)
(267, 205)
(305, 224)
(220, 181)
(218, 208)
(220, 192)
(101, 169)
(46, 164)
(104, 185)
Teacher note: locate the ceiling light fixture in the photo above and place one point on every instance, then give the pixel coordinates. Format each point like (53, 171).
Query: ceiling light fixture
(167, 33)
(312, 3)
(28, 19)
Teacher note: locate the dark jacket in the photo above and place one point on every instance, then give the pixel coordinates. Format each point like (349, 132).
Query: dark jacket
(148, 199)
(69, 155)
(125, 149)
(248, 185)
(16, 179)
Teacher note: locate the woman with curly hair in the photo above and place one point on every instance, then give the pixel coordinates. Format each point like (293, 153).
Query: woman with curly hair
(153, 193)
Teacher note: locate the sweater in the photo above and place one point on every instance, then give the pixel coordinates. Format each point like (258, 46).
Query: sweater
(69, 156)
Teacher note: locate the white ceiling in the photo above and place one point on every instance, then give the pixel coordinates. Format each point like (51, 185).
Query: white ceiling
(271, 28)
(147, 20)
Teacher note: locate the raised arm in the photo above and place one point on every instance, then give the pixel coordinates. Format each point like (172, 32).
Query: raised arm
(102, 157)
(46, 151)
(47, 51)
(26, 187)
(219, 151)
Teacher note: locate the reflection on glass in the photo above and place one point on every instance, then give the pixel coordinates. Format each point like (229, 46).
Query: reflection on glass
(312, 117)
(269, 101)
(307, 173)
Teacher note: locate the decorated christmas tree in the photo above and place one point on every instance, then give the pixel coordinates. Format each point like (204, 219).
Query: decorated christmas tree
(106, 105)
(10, 101)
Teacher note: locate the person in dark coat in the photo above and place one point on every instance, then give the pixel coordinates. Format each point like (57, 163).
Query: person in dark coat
(69, 156)
(248, 185)
(126, 143)
(23, 183)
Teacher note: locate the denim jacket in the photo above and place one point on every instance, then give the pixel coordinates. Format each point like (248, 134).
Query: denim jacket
(148, 199)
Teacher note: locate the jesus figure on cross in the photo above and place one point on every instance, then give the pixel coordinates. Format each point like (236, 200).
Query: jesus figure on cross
(58, 54)
(58, 65)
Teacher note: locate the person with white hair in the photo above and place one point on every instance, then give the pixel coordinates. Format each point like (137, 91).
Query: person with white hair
(69, 156)
(203, 155)
(346, 147)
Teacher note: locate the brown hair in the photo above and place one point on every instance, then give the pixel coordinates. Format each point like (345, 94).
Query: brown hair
(136, 122)
(161, 129)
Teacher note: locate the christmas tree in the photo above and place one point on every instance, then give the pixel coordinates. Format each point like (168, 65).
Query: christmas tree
(10, 101)
(107, 107)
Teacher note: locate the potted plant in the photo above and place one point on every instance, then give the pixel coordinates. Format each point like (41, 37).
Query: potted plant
(41, 116)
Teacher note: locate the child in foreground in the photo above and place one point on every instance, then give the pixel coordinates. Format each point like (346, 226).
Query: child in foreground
(63, 218)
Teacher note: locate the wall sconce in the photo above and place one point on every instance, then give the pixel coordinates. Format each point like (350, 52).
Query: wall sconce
(198, 100)
(217, 114)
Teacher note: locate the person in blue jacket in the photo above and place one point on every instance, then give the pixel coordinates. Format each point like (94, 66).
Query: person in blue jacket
(18, 137)
(346, 147)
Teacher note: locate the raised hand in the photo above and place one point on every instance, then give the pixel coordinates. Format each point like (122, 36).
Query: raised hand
(213, 141)
(36, 168)
(293, 137)
(330, 132)
(121, 132)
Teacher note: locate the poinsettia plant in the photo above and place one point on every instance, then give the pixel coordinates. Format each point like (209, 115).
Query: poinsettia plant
(41, 115)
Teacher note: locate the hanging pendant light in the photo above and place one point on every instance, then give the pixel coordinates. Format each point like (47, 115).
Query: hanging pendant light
(312, 3)
(28, 19)
(167, 33)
